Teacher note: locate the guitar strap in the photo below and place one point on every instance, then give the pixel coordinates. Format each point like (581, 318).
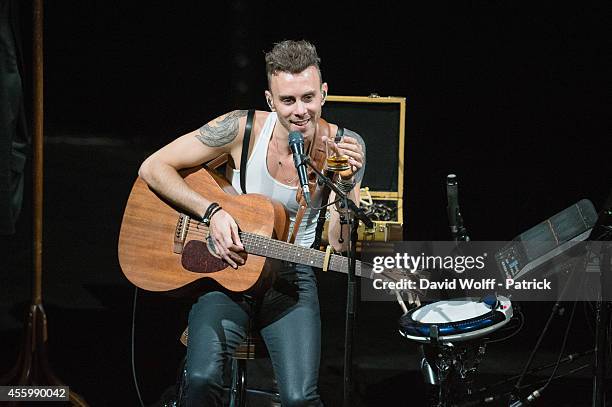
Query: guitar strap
(246, 141)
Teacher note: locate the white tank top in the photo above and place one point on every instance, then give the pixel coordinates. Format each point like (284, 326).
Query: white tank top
(260, 181)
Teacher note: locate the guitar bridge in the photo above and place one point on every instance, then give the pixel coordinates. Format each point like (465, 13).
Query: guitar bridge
(180, 233)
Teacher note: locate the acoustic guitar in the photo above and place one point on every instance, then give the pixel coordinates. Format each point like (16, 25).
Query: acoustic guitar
(163, 249)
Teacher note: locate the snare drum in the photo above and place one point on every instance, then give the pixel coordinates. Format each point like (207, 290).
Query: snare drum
(457, 320)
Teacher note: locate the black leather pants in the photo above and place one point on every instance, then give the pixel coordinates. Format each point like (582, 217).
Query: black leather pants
(289, 322)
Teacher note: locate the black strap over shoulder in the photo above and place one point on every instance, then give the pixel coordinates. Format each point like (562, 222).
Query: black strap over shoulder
(246, 141)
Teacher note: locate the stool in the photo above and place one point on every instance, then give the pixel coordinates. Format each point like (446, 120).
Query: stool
(252, 347)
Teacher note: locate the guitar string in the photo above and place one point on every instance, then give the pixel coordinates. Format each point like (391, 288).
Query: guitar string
(281, 249)
(256, 239)
(268, 245)
(337, 262)
(284, 250)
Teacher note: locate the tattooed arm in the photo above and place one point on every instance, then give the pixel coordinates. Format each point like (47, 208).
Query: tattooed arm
(221, 135)
(160, 172)
(222, 131)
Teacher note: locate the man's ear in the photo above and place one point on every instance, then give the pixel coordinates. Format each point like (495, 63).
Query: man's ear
(269, 100)
(323, 92)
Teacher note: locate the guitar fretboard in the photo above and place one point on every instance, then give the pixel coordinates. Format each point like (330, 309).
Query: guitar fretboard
(276, 249)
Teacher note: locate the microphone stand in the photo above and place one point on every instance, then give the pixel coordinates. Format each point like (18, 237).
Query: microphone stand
(602, 320)
(355, 214)
(602, 232)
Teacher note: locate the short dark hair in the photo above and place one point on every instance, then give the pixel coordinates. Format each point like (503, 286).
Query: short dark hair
(293, 57)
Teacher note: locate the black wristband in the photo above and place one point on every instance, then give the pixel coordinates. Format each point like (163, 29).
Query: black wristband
(208, 213)
(345, 186)
(214, 211)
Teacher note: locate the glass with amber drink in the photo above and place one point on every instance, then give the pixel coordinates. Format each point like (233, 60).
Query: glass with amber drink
(336, 162)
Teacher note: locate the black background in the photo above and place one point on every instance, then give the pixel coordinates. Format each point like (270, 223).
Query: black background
(512, 98)
(508, 96)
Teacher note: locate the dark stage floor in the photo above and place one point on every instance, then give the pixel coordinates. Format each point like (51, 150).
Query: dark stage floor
(89, 306)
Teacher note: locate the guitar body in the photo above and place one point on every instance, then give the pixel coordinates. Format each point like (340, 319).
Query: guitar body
(161, 249)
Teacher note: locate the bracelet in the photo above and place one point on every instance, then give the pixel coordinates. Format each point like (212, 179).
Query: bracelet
(345, 186)
(217, 209)
(210, 211)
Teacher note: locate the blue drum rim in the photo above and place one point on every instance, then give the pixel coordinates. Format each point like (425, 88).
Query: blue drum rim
(408, 326)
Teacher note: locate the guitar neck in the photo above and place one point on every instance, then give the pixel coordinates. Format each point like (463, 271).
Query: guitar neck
(276, 249)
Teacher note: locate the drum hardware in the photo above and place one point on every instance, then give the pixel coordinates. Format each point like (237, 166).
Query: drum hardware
(452, 355)
(455, 320)
(453, 368)
(453, 335)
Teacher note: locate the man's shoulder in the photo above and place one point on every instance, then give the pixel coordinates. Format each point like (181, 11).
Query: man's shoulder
(261, 116)
(259, 120)
(242, 114)
(241, 117)
(355, 135)
(333, 127)
(351, 133)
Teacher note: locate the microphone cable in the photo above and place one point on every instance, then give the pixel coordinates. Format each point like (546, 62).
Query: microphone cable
(538, 392)
(610, 340)
(568, 359)
(502, 396)
(565, 335)
(521, 324)
(554, 311)
(132, 347)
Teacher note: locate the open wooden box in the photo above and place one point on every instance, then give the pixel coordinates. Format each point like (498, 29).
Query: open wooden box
(381, 123)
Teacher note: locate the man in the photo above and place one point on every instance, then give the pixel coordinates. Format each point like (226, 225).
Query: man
(287, 315)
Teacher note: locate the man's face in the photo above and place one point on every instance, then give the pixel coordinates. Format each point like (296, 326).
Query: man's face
(297, 99)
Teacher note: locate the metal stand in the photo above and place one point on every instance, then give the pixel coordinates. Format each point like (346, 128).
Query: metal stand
(601, 341)
(602, 231)
(355, 214)
(350, 318)
(451, 368)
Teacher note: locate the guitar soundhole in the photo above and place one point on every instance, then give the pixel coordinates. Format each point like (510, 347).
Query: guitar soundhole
(198, 259)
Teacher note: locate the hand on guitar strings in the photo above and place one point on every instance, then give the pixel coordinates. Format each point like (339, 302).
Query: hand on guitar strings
(223, 232)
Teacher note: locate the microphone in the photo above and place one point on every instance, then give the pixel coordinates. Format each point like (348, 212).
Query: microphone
(452, 207)
(455, 220)
(296, 144)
